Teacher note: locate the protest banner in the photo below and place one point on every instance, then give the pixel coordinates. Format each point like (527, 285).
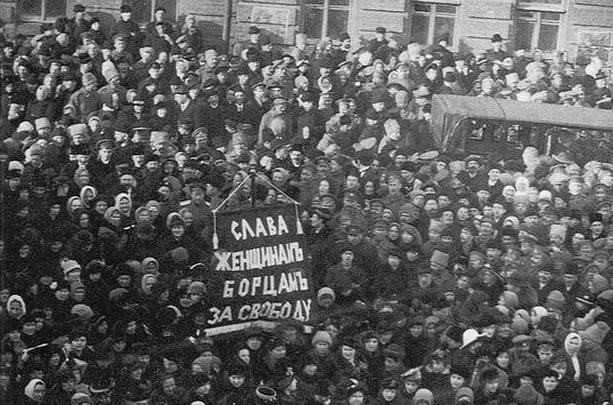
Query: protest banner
(260, 272)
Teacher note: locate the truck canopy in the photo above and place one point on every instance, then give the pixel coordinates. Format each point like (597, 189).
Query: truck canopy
(449, 110)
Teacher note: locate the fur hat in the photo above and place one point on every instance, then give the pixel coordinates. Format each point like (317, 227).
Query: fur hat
(394, 351)
(465, 395)
(594, 368)
(556, 300)
(422, 395)
(197, 287)
(527, 395)
(489, 374)
(88, 79)
(70, 265)
(82, 311)
(322, 336)
(596, 333)
(173, 219)
(325, 291)
(109, 71)
(519, 325)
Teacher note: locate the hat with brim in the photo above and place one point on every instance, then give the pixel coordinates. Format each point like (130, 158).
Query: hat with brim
(562, 158)
(368, 143)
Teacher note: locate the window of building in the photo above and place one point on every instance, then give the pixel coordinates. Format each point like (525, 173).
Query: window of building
(429, 21)
(543, 1)
(41, 10)
(326, 18)
(537, 30)
(143, 10)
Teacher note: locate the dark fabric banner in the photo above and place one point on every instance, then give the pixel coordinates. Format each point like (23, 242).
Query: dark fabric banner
(260, 273)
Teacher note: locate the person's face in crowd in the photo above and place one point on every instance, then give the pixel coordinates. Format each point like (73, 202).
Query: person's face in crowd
(544, 354)
(573, 345)
(463, 214)
(104, 154)
(587, 390)
(62, 294)
(352, 182)
(597, 228)
(137, 373)
(14, 183)
(101, 206)
(25, 251)
(4, 295)
(550, 384)
(498, 210)
(465, 236)
(456, 381)
(254, 343)
(600, 193)
(244, 355)
(356, 398)
(39, 392)
(431, 206)
(155, 73)
(491, 386)
(444, 201)
(74, 276)
(278, 352)
(425, 280)
(347, 258)
(124, 205)
(124, 280)
(29, 328)
(79, 343)
(177, 230)
(15, 309)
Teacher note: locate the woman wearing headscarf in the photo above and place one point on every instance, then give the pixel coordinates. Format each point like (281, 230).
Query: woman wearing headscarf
(35, 392)
(146, 284)
(74, 207)
(575, 364)
(88, 194)
(123, 202)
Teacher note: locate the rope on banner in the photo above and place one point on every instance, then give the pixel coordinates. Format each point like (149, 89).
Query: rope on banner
(242, 183)
(215, 236)
(296, 203)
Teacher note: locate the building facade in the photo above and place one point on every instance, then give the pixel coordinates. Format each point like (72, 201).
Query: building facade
(581, 27)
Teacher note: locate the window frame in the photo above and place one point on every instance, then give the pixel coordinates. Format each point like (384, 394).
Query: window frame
(539, 21)
(42, 17)
(433, 14)
(326, 7)
(539, 8)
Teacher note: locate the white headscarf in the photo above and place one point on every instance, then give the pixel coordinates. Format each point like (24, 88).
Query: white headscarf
(29, 390)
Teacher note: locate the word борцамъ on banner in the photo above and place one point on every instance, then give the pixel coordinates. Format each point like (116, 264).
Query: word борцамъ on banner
(260, 272)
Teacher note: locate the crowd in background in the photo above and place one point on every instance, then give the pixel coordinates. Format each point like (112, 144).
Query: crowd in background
(437, 278)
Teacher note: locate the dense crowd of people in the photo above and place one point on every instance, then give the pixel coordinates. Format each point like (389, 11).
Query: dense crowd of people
(437, 278)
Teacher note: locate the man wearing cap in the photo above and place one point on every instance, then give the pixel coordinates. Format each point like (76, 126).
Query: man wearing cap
(86, 100)
(253, 43)
(77, 24)
(496, 52)
(113, 94)
(276, 122)
(135, 116)
(318, 238)
(141, 67)
(473, 177)
(159, 20)
(102, 166)
(129, 29)
(378, 41)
